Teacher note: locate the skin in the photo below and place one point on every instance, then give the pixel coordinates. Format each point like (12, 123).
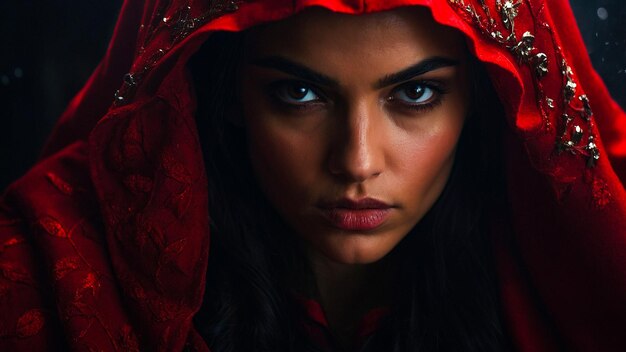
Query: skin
(353, 137)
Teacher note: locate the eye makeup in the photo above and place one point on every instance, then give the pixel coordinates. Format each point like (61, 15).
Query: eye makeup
(413, 96)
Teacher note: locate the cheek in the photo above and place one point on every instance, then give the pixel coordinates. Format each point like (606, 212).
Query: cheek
(278, 155)
(425, 161)
(284, 163)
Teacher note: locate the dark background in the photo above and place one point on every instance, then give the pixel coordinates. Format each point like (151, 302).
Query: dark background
(49, 49)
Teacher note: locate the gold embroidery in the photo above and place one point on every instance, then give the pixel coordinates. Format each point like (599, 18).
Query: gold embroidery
(179, 26)
(570, 138)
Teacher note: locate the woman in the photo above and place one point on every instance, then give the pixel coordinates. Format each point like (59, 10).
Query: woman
(355, 177)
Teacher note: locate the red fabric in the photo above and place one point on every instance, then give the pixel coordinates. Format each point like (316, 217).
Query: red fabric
(104, 243)
(317, 328)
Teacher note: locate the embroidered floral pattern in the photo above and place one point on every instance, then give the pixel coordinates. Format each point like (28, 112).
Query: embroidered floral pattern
(114, 252)
(29, 323)
(502, 30)
(177, 23)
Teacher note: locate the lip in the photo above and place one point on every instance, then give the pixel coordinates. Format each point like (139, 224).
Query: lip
(356, 215)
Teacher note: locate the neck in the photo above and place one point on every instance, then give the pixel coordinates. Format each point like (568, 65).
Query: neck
(348, 291)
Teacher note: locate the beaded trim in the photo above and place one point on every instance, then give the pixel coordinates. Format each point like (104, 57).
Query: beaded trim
(570, 136)
(179, 25)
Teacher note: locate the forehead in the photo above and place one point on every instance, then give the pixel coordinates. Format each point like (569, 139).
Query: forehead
(320, 35)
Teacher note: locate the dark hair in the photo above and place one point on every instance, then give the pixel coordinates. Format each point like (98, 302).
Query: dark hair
(446, 292)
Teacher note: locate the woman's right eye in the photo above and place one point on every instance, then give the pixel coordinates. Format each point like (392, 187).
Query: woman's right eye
(294, 93)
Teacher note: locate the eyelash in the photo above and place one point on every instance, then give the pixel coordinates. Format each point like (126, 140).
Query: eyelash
(437, 87)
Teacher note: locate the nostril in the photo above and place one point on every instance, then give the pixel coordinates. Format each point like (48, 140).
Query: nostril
(354, 168)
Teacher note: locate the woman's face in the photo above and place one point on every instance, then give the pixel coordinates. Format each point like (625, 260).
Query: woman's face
(352, 124)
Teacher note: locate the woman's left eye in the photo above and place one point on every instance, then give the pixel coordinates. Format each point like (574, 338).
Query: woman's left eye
(414, 93)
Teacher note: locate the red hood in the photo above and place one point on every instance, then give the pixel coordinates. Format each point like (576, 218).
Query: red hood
(139, 283)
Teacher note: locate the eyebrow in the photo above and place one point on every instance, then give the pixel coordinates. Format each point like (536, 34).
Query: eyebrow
(418, 69)
(298, 70)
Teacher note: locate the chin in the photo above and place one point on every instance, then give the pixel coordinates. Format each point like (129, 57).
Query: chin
(355, 249)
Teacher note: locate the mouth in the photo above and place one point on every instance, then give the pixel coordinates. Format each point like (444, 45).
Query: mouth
(365, 214)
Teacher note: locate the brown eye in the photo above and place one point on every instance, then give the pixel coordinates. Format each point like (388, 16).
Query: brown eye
(413, 93)
(296, 93)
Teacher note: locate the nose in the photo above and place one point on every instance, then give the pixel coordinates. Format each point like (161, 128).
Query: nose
(357, 150)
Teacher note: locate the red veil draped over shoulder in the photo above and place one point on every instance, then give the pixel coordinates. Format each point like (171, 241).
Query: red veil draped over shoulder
(104, 242)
